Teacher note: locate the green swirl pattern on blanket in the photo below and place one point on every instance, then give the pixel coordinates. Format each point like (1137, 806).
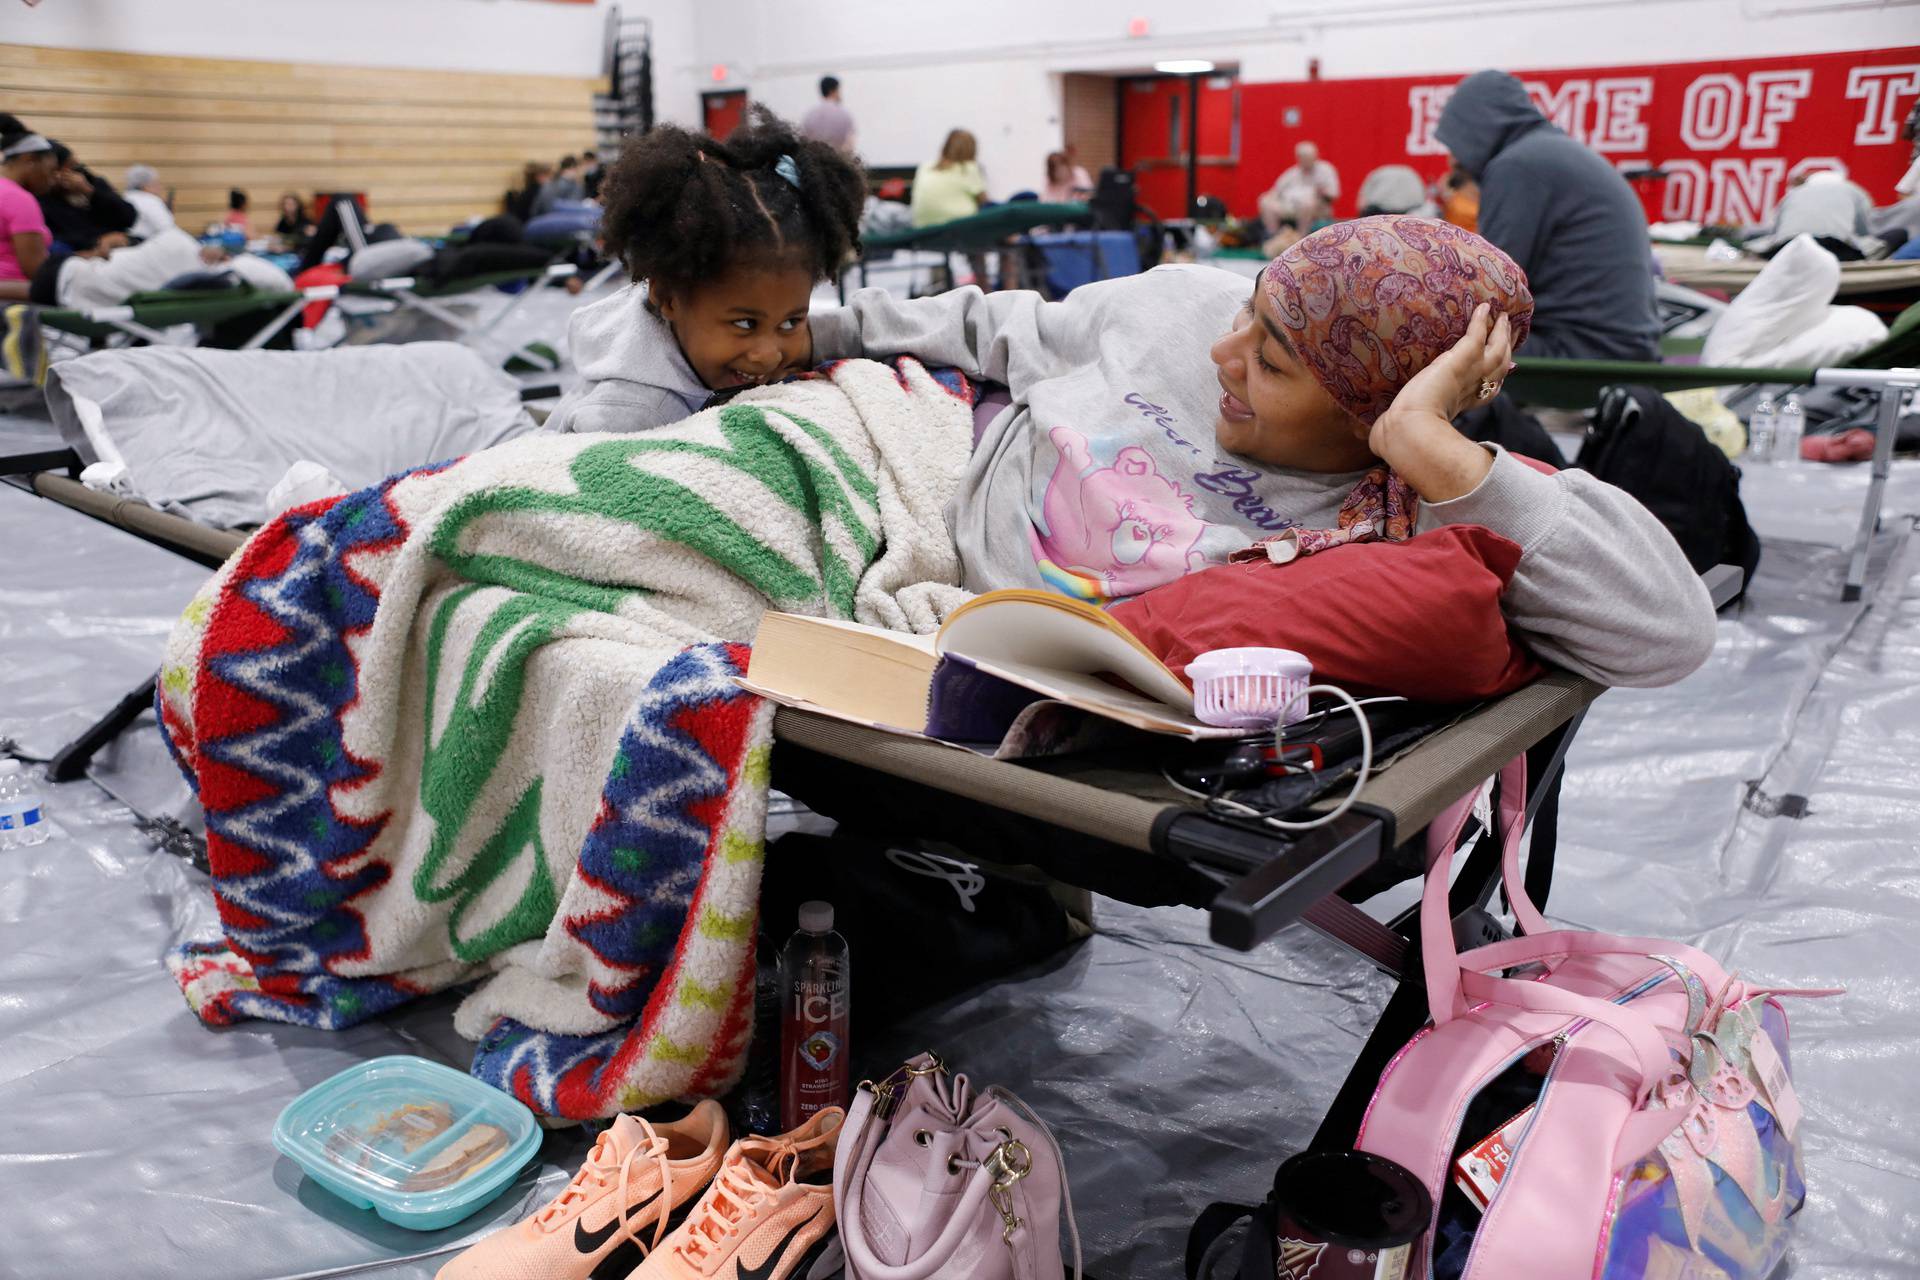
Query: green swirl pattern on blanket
(478, 722)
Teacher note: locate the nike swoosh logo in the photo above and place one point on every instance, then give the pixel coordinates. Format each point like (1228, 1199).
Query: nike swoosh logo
(590, 1241)
(766, 1269)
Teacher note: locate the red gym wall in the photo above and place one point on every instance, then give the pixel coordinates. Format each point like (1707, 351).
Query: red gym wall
(1729, 134)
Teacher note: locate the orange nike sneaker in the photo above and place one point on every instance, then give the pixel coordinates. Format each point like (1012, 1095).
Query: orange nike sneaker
(767, 1216)
(633, 1189)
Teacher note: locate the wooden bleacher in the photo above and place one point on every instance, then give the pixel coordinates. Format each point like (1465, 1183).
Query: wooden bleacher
(429, 148)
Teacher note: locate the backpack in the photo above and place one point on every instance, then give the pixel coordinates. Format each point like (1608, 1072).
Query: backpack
(1581, 1107)
(1642, 444)
(1621, 1108)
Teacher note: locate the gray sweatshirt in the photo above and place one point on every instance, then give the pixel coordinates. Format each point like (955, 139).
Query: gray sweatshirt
(1102, 479)
(632, 373)
(1561, 212)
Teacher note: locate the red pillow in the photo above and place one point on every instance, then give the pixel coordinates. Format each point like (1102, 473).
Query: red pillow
(1419, 618)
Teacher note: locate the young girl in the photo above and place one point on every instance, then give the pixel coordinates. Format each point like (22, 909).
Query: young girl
(726, 241)
(1161, 422)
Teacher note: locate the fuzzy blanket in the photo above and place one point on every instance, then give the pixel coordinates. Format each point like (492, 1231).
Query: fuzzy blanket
(478, 721)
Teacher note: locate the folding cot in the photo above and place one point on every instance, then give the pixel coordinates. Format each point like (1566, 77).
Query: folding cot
(1886, 286)
(985, 232)
(1112, 822)
(147, 317)
(1886, 370)
(429, 297)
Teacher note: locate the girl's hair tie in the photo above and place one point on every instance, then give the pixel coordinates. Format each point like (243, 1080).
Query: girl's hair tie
(787, 169)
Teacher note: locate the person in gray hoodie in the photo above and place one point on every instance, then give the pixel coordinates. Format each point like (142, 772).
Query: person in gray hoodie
(1564, 214)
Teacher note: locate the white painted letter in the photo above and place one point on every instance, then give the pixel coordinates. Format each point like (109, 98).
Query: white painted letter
(1772, 99)
(1710, 116)
(1617, 125)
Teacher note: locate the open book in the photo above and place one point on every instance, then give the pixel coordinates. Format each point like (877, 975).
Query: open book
(998, 656)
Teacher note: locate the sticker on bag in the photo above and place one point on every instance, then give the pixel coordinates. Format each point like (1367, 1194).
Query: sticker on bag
(1775, 1082)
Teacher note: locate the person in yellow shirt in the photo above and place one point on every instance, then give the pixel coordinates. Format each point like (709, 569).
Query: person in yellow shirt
(950, 187)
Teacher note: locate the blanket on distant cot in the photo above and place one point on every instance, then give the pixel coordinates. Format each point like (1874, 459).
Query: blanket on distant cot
(478, 722)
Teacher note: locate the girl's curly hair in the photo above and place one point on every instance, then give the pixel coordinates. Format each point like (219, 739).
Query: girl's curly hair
(681, 208)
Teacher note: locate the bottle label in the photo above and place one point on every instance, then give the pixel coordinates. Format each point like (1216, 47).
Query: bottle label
(820, 1050)
(17, 821)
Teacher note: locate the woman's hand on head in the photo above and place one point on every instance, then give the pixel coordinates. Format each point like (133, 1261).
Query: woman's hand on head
(1416, 436)
(1467, 374)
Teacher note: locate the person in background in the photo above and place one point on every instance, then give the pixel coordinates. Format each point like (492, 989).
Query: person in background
(591, 174)
(294, 226)
(1564, 214)
(153, 213)
(1825, 205)
(950, 187)
(1460, 200)
(519, 202)
(26, 173)
(1303, 194)
(1395, 188)
(566, 185)
(82, 207)
(829, 121)
(237, 209)
(1066, 181)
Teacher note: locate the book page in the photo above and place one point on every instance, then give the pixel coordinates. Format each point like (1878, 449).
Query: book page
(1028, 632)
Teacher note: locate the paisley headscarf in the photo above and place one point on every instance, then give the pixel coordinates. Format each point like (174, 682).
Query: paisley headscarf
(1369, 303)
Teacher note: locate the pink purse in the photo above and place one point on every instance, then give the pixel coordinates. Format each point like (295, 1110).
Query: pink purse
(1642, 1114)
(932, 1179)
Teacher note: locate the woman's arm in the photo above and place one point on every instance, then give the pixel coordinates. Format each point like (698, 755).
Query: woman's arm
(1602, 588)
(30, 247)
(984, 335)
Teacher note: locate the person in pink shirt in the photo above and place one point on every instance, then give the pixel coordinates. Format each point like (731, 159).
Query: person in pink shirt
(26, 174)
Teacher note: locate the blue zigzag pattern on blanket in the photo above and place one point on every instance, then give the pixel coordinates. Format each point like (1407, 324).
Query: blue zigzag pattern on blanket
(534, 1066)
(300, 895)
(648, 844)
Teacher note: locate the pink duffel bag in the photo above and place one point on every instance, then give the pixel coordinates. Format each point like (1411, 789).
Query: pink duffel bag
(1637, 1098)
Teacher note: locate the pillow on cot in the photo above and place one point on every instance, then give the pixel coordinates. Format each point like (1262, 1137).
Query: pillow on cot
(1419, 618)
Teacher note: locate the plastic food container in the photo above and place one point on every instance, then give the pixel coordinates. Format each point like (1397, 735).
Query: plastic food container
(420, 1144)
(1249, 688)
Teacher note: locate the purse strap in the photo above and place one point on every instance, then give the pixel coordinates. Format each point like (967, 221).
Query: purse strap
(1439, 954)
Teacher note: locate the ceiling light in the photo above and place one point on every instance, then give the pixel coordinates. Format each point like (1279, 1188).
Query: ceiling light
(1183, 67)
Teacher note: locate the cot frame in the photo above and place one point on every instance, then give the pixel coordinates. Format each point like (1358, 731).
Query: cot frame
(1558, 382)
(126, 319)
(413, 294)
(1252, 880)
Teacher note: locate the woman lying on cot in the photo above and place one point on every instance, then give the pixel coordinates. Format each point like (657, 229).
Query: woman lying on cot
(1160, 422)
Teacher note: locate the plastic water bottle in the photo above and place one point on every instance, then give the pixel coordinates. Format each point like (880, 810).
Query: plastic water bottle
(23, 815)
(815, 984)
(758, 1109)
(1760, 429)
(1788, 426)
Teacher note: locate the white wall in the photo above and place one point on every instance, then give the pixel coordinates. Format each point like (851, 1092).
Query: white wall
(912, 70)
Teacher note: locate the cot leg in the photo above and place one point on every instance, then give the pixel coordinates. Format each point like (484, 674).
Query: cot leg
(273, 326)
(603, 275)
(71, 761)
(1890, 397)
(1406, 1013)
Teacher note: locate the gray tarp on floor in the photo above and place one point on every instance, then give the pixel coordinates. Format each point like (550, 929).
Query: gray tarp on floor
(136, 1141)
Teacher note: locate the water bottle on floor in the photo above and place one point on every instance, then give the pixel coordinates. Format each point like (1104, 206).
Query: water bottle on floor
(1760, 429)
(1788, 426)
(23, 815)
(814, 1072)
